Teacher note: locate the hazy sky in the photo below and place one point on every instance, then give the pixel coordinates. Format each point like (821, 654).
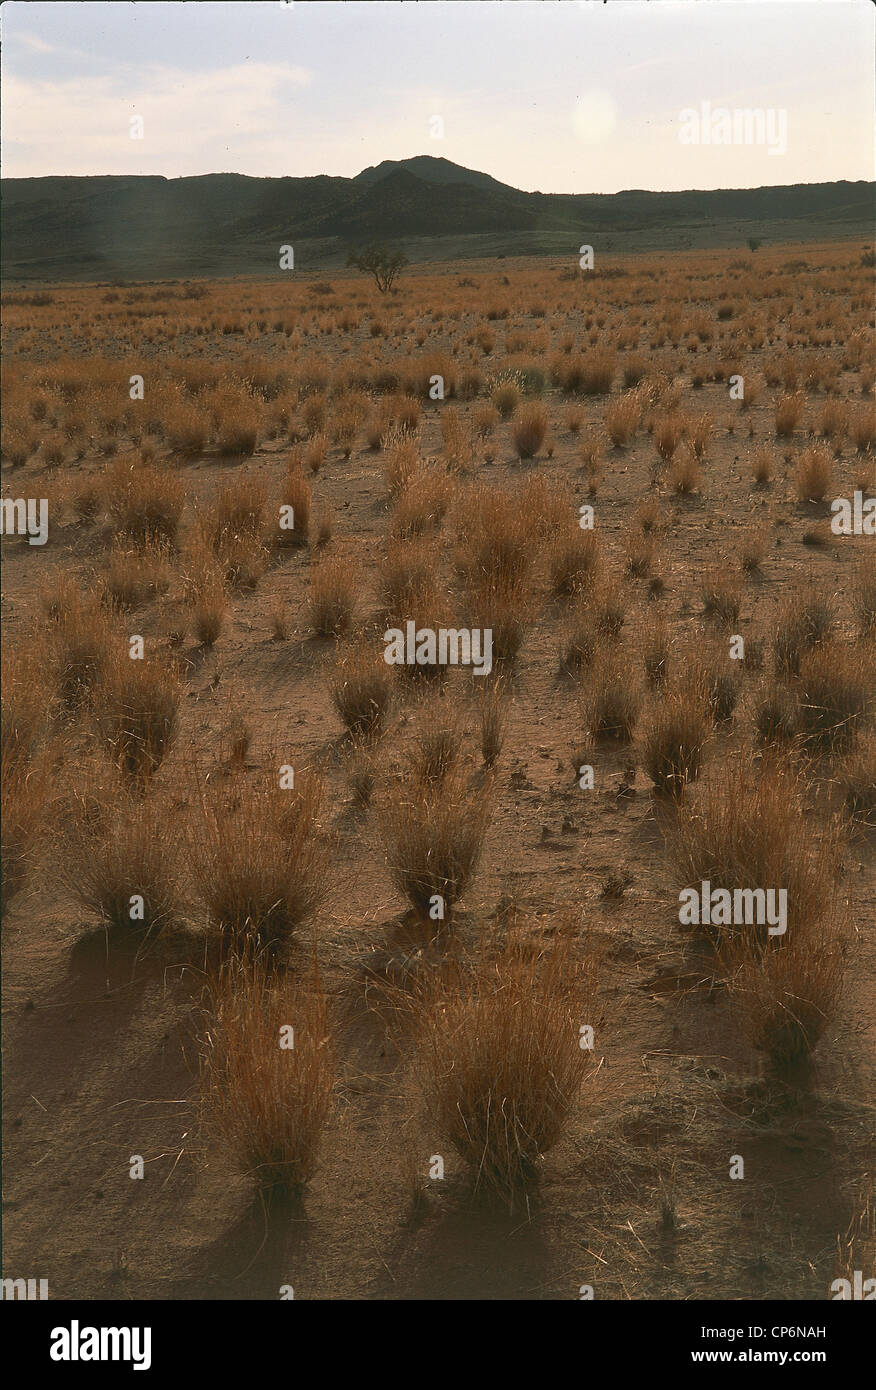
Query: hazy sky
(565, 96)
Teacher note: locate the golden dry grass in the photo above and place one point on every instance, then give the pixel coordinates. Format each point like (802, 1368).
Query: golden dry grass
(269, 1101)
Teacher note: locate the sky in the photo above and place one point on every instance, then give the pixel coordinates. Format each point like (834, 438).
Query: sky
(564, 96)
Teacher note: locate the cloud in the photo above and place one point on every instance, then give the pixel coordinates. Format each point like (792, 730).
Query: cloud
(36, 44)
(82, 125)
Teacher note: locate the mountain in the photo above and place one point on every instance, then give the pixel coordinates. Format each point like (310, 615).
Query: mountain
(432, 170)
(149, 227)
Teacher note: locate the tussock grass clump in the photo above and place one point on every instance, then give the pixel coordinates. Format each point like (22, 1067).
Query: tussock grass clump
(590, 456)
(235, 425)
(504, 609)
(622, 418)
(609, 606)
(423, 504)
(233, 527)
(361, 769)
(494, 560)
(656, 655)
(269, 1103)
(814, 473)
(24, 794)
(722, 596)
(497, 537)
(205, 593)
(857, 779)
(313, 454)
(588, 374)
(238, 510)
(864, 595)
(313, 415)
(787, 993)
(718, 686)
(747, 828)
(324, 527)
(833, 419)
(573, 561)
(185, 428)
(762, 466)
(493, 715)
(686, 475)
(361, 691)
(547, 506)
(401, 458)
(25, 705)
(528, 428)
(700, 432)
(244, 557)
(86, 498)
(485, 417)
(434, 836)
(137, 706)
(457, 441)
(640, 553)
(81, 643)
(437, 744)
(802, 625)
(753, 549)
(788, 414)
(862, 427)
(294, 529)
(145, 503)
(345, 429)
(419, 368)
(406, 411)
(119, 860)
(837, 688)
(332, 596)
(131, 576)
(672, 747)
(408, 578)
(498, 1059)
(258, 860)
(506, 398)
(775, 716)
(610, 705)
(635, 366)
(581, 642)
(647, 517)
(668, 434)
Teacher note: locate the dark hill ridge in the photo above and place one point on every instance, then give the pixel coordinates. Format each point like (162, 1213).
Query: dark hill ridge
(432, 170)
(150, 227)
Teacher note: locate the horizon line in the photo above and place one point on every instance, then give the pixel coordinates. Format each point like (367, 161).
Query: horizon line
(351, 178)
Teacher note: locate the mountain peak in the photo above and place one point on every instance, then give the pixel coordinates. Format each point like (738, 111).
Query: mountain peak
(431, 169)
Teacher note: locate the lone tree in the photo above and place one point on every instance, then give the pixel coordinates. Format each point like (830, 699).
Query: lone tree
(383, 264)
